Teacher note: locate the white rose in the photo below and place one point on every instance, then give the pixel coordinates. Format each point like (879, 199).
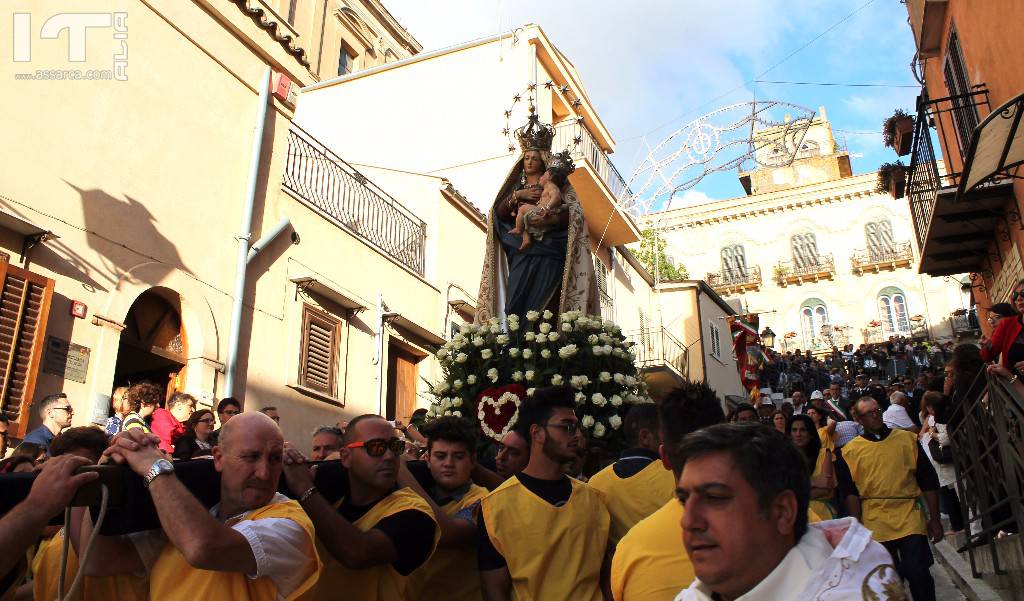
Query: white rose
(607, 349)
(598, 399)
(478, 341)
(527, 353)
(545, 328)
(616, 400)
(529, 391)
(604, 376)
(592, 339)
(529, 375)
(556, 380)
(546, 353)
(456, 402)
(494, 321)
(630, 381)
(619, 378)
(597, 350)
(457, 413)
(486, 353)
(513, 326)
(567, 351)
(447, 412)
(615, 421)
(554, 336)
(517, 376)
(548, 314)
(513, 352)
(604, 338)
(587, 421)
(530, 336)
(580, 398)
(441, 388)
(461, 358)
(492, 374)
(599, 429)
(532, 315)
(566, 327)
(471, 379)
(495, 329)
(441, 354)
(457, 384)
(502, 339)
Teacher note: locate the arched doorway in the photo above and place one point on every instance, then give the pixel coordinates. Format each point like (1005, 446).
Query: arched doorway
(153, 345)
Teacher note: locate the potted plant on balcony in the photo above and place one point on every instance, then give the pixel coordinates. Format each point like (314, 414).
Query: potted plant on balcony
(892, 179)
(898, 132)
(780, 273)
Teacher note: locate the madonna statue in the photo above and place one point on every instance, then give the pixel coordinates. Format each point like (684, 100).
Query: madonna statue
(556, 272)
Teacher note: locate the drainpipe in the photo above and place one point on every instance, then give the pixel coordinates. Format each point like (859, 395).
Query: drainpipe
(244, 235)
(384, 315)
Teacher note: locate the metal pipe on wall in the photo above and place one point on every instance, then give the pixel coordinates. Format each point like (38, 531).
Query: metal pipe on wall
(244, 236)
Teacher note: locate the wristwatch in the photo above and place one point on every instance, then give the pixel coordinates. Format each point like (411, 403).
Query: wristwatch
(160, 467)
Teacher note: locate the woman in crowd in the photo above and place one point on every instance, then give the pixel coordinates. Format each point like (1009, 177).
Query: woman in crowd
(935, 441)
(801, 431)
(142, 400)
(198, 438)
(779, 420)
(825, 427)
(119, 407)
(1007, 342)
(964, 382)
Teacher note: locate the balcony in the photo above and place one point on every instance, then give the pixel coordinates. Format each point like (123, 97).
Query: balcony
(927, 18)
(661, 358)
(964, 322)
(735, 281)
(953, 231)
(874, 260)
(810, 269)
(598, 184)
(324, 182)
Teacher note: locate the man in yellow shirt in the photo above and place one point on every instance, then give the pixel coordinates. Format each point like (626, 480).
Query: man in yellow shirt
(882, 474)
(255, 544)
(451, 573)
(637, 484)
(379, 533)
(650, 563)
(543, 534)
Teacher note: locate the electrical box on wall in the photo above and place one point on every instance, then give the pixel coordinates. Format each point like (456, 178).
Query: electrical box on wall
(79, 309)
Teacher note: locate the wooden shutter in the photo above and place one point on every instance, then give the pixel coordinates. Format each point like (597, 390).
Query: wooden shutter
(24, 308)
(317, 366)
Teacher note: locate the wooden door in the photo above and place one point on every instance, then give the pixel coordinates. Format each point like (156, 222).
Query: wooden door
(402, 372)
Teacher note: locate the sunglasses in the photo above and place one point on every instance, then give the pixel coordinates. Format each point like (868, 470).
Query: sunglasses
(570, 428)
(1015, 295)
(69, 409)
(376, 447)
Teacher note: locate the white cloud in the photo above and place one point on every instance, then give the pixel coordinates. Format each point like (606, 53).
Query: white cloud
(689, 198)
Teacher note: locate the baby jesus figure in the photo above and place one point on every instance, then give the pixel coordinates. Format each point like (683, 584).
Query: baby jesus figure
(550, 201)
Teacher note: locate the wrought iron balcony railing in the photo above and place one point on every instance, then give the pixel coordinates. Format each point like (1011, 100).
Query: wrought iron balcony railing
(924, 179)
(656, 347)
(731, 281)
(335, 189)
(587, 148)
(965, 322)
(900, 254)
(808, 269)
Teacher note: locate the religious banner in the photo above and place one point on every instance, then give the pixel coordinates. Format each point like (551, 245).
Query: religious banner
(746, 344)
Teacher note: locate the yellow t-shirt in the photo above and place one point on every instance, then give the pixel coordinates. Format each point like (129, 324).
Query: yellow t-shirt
(378, 583)
(650, 562)
(451, 573)
(828, 439)
(173, 579)
(551, 552)
(823, 507)
(632, 499)
(46, 570)
(884, 472)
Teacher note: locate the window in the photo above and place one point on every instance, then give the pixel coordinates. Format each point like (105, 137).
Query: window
(892, 311)
(603, 275)
(318, 363)
(346, 60)
(24, 309)
(734, 263)
(716, 340)
(805, 250)
(814, 322)
(879, 238)
(809, 149)
(958, 84)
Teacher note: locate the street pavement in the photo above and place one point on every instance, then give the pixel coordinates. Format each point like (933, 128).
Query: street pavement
(945, 590)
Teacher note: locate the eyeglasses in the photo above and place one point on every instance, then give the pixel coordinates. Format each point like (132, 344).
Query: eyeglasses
(205, 420)
(69, 409)
(376, 447)
(876, 412)
(570, 428)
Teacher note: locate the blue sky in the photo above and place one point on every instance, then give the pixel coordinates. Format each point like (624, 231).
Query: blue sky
(651, 66)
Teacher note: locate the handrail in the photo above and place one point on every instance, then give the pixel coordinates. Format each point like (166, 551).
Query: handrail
(724, 278)
(566, 135)
(658, 345)
(806, 266)
(985, 428)
(900, 251)
(335, 188)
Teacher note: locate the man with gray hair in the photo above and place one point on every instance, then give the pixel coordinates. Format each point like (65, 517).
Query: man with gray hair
(896, 415)
(327, 440)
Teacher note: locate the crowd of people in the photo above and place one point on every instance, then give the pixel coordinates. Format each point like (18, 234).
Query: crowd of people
(830, 484)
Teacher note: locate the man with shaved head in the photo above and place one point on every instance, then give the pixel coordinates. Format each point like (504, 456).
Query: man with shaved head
(379, 533)
(255, 544)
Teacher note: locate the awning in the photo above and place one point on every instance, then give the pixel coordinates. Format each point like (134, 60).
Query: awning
(20, 225)
(417, 331)
(343, 299)
(997, 145)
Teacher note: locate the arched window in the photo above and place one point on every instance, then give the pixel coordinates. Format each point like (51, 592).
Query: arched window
(734, 263)
(879, 238)
(892, 311)
(809, 148)
(805, 249)
(813, 321)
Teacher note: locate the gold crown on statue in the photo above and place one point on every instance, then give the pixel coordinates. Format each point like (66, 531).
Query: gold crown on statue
(535, 135)
(562, 164)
